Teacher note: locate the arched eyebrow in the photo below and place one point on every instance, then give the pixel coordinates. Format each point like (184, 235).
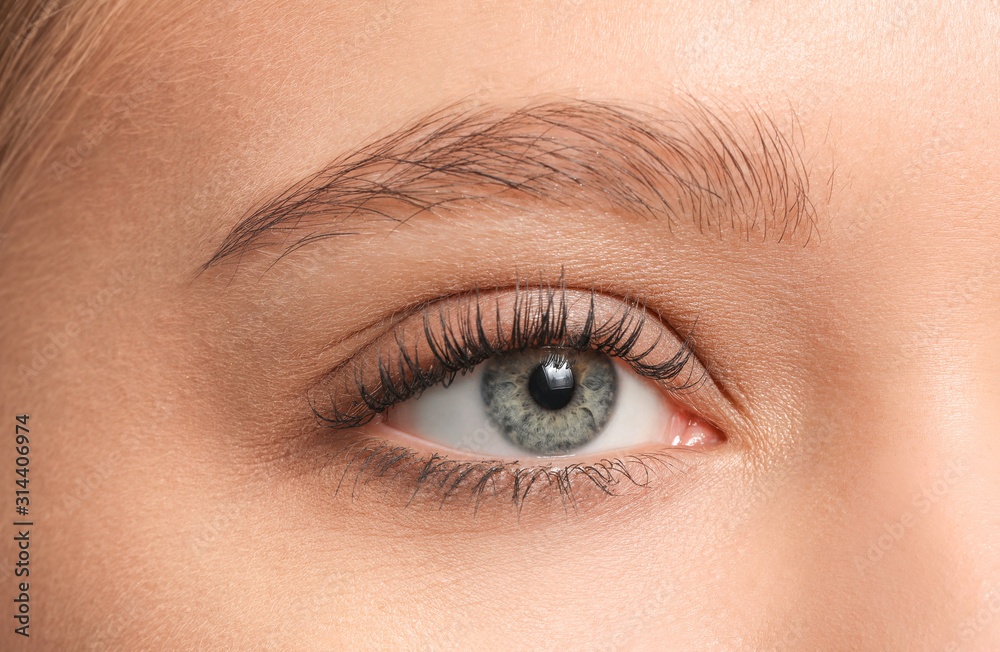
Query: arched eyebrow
(723, 172)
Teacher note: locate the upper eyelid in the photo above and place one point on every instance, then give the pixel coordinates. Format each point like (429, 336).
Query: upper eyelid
(692, 163)
(682, 360)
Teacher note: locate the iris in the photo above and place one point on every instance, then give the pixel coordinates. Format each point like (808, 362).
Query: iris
(549, 401)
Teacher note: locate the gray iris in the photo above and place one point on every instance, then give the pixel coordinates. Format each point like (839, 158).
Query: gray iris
(549, 401)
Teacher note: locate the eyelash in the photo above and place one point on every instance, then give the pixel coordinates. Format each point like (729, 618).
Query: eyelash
(446, 477)
(457, 342)
(540, 318)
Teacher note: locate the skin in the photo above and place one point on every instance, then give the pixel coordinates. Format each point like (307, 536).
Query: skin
(177, 493)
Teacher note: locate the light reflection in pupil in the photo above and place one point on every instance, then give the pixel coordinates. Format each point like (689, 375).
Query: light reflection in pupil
(551, 384)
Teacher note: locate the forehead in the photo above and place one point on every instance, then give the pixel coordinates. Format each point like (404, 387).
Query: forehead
(289, 86)
(206, 112)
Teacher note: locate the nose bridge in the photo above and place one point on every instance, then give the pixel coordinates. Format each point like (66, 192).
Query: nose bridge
(922, 536)
(897, 523)
(906, 436)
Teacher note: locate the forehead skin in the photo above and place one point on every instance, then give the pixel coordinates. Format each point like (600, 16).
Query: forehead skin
(855, 506)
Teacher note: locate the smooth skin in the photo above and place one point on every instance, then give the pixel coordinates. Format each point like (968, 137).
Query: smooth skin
(854, 504)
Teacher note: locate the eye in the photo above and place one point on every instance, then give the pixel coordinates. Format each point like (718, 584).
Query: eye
(515, 393)
(547, 402)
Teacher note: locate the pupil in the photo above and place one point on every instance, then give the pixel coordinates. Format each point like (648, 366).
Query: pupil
(551, 384)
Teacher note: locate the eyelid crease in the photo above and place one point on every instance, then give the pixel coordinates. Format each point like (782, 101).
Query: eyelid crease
(454, 335)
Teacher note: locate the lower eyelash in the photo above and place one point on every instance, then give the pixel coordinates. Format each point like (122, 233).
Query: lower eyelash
(539, 319)
(435, 478)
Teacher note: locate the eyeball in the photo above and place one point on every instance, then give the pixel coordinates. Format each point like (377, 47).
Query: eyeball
(547, 403)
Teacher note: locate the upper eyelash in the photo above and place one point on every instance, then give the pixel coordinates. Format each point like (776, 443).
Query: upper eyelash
(535, 323)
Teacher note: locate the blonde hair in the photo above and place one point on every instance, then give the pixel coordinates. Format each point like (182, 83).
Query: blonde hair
(45, 46)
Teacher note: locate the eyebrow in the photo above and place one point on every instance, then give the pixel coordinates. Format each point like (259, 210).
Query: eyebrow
(721, 171)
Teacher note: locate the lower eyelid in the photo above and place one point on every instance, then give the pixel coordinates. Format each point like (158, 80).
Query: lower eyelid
(397, 469)
(395, 474)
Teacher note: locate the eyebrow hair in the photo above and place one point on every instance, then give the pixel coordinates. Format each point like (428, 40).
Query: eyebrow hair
(691, 163)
